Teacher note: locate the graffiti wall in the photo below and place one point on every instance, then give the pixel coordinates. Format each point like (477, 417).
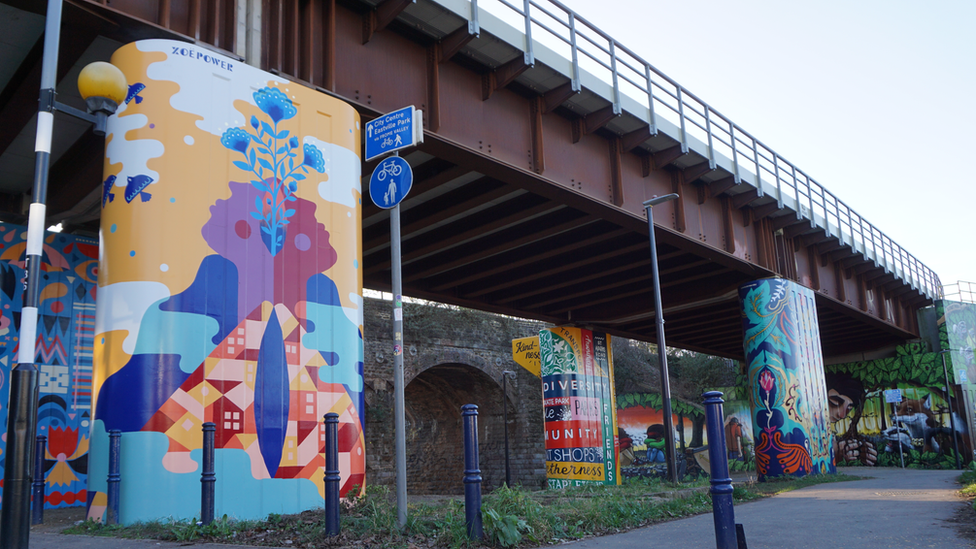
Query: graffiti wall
(872, 429)
(229, 289)
(786, 377)
(578, 403)
(66, 328)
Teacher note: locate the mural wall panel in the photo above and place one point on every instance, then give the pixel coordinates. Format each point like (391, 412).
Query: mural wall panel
(66, 328)
(230, 287)
(896, 411)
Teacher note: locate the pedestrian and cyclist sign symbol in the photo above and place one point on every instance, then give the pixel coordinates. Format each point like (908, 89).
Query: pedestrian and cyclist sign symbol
(394, 131)
(390, 182)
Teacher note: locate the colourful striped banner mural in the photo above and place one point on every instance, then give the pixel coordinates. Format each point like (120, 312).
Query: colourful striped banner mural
(579, 407)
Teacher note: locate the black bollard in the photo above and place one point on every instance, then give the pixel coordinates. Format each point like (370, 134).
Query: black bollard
(332, 477)
(114, 477)
(37, 515)
(472, 472)
(722, 512)
(208, 479)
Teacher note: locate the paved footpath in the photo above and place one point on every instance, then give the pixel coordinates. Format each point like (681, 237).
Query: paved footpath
(895, 509)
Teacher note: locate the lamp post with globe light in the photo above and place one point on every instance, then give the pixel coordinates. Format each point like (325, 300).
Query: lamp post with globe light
(103, 86)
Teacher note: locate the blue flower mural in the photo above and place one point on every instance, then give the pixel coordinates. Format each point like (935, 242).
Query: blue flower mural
(269, 154)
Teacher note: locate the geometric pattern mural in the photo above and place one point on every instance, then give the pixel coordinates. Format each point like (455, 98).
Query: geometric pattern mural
(230, 288)
(65, 333)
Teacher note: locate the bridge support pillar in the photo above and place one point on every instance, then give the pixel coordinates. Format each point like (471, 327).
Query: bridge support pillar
(791, 420)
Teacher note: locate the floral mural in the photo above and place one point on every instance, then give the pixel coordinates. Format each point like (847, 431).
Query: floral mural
(270, 156)
(785, 374)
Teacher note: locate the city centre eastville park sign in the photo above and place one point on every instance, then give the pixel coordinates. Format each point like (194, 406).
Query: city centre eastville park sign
(393, 131)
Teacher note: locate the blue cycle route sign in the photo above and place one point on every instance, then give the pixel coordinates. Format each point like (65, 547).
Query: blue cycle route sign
(390, 182)
(393, 131)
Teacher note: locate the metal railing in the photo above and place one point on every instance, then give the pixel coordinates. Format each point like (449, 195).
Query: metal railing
(960, 291)
(594, 53)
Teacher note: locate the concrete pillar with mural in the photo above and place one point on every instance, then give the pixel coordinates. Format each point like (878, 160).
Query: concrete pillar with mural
(579, 406)
(229, 288)
(791, 419)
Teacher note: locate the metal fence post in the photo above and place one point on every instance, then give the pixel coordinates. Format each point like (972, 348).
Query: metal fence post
(332, 477)
(37, 515)
(722, 512)
(472, 472)
(208, 479)
(114, 476)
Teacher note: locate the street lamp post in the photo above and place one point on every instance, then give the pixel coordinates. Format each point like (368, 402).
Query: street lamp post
(952, 420)
(661, 349)
(22, 406)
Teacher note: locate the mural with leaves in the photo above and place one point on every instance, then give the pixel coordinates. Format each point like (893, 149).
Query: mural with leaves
(637, 412)
(785, 368)
(918, 427)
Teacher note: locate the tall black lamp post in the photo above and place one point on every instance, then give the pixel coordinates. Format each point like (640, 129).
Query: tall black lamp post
(104, 87)
(661, 349)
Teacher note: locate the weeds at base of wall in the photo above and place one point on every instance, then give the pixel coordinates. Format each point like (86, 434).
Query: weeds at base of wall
(968, 481)
(512, 517)
(965, 517)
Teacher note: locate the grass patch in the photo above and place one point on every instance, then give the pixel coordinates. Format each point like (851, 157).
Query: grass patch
(512, 517)
(968, 481)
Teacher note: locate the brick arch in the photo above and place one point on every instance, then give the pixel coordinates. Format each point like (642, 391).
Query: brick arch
(434, 430)
(427, 360)
(488, 366)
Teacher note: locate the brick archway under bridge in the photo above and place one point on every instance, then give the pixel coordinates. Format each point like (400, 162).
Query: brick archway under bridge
(434, 428)
(447, 367)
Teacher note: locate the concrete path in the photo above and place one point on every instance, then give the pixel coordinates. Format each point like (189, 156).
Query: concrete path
(895, 509)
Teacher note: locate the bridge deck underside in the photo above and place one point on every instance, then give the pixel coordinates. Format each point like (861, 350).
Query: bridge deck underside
(527, 201)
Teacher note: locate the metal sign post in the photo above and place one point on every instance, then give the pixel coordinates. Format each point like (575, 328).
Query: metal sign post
(398, 398)
(388, 186)
(893, 396)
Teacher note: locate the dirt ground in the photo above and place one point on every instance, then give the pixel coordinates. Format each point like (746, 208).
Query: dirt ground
(56, 520)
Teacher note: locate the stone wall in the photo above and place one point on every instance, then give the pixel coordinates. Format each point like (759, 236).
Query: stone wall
(452, 357)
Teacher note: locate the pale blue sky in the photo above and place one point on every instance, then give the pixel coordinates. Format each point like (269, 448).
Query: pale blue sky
(875, 100)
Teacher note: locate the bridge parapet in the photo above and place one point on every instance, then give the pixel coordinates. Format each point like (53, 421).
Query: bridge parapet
(524, 202)
(587, 71)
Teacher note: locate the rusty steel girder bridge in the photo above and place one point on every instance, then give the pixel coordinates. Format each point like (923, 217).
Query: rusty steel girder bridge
(543, 137)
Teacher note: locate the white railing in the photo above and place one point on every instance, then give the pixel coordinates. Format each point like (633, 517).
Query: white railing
(960, 291)
(590, 58)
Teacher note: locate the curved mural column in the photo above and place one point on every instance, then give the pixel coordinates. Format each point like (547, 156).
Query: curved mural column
(229, 287)
(791, 420)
